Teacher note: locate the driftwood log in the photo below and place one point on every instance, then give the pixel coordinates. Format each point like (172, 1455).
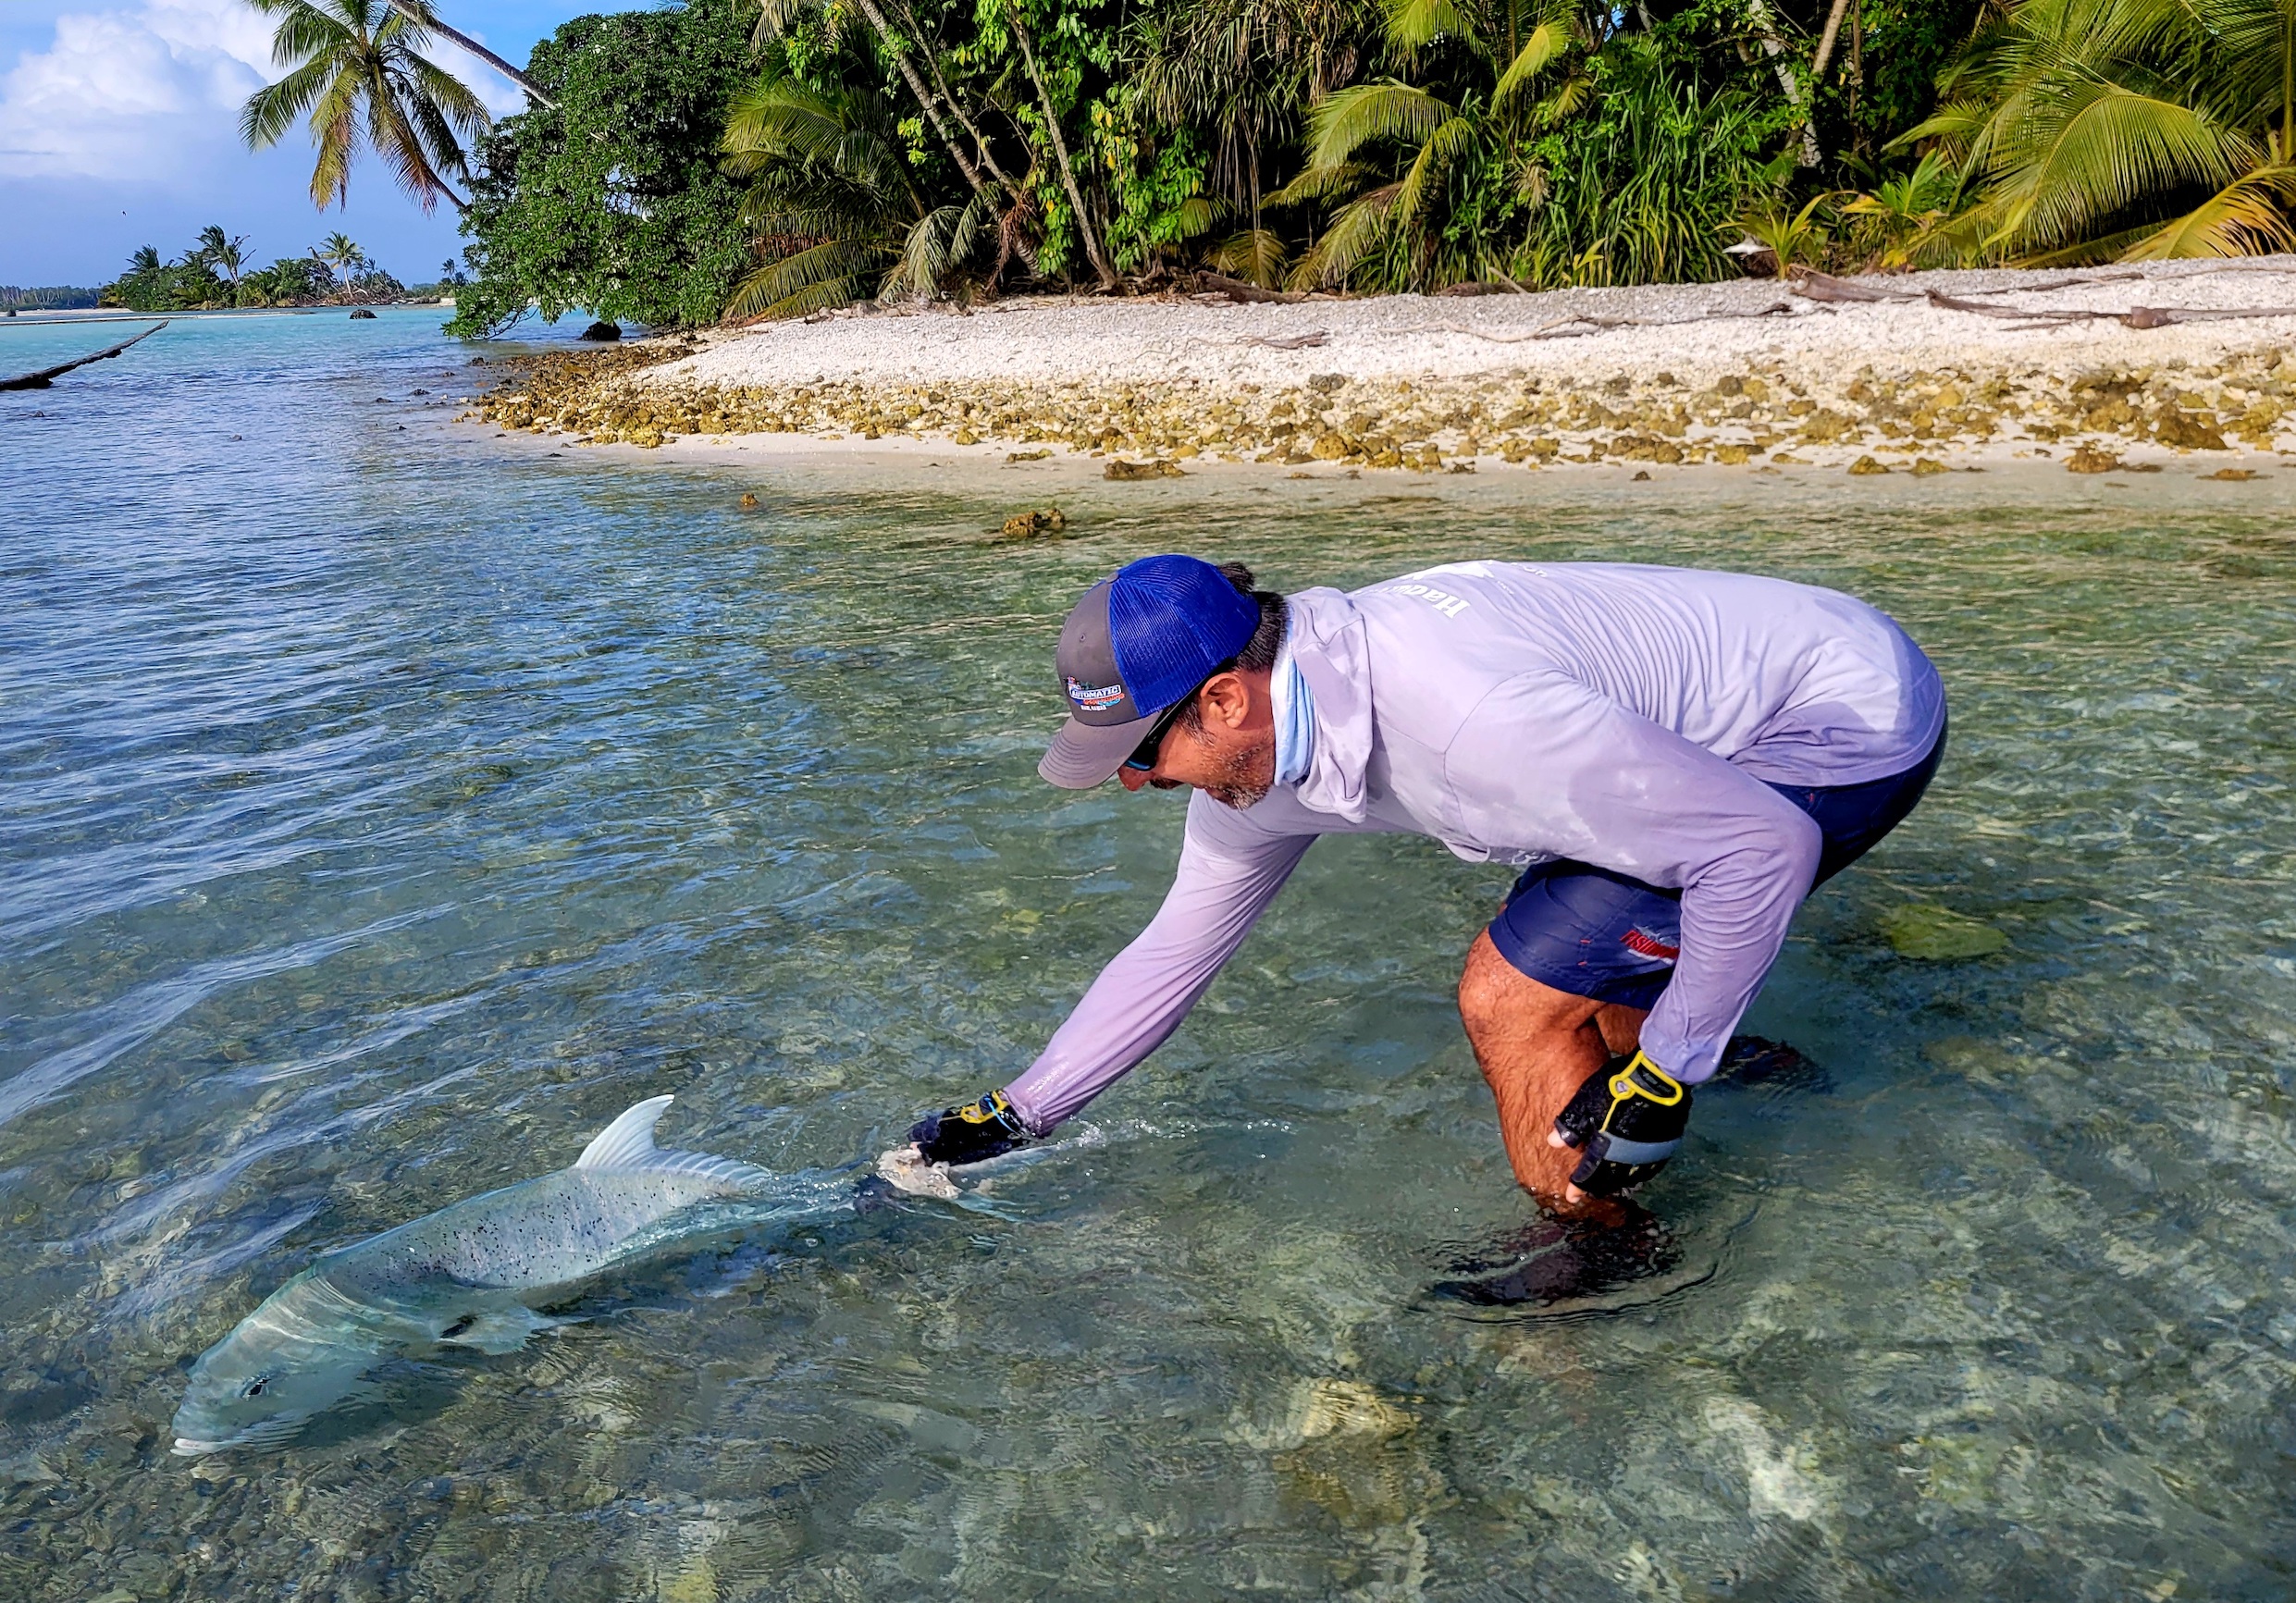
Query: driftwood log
(1812, 284)
(1240, 290)
(1594, 323)
(47, 376)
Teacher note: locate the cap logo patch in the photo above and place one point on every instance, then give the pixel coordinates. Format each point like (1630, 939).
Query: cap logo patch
(1094, 697)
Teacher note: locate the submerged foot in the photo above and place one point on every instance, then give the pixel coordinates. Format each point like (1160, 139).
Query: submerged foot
(1563, 1260)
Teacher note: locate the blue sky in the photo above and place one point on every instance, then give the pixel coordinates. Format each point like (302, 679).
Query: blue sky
(118, 129)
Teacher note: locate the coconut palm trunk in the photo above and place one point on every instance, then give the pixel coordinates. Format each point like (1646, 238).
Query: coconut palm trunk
(1060, 153)
(423, 17)
(980, 140)
(924, 98)
(1825, 41)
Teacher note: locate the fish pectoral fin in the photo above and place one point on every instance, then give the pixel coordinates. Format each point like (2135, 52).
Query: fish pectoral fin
(495, 1330)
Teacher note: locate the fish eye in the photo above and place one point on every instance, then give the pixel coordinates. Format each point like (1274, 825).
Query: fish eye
(254, 1386)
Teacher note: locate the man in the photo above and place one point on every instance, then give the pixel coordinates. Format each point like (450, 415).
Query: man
(1676, 757)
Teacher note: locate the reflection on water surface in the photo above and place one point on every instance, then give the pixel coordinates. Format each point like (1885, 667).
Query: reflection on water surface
(381, 815)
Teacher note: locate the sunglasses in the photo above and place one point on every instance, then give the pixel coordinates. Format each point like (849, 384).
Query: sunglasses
(1144, 756)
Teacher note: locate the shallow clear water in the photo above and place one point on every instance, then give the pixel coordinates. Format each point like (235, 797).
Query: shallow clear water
(381, 812)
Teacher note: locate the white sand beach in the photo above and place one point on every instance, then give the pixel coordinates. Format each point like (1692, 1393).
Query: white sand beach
(2129, 367)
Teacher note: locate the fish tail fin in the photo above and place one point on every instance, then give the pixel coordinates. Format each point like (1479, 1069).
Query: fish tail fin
(628, 1143)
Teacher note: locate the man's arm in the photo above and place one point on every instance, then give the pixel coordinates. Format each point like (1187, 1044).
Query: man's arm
(1548, 763)
(1229, 871)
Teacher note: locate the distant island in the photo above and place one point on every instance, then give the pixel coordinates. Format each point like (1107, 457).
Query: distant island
(215, 273)
(54, 298)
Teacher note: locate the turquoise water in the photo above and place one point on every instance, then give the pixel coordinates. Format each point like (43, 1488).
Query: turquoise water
(383, 808)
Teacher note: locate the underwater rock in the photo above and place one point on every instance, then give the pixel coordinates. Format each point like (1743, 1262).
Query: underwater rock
(1122, 470)
(1866, 464)
(1044, 519)
(2089, 459)
(1924, 465)
(2234, 475)
(1929, 933)
(601, 331)
(360, 314)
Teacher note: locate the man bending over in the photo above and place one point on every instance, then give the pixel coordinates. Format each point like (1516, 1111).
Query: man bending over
(1674, 757)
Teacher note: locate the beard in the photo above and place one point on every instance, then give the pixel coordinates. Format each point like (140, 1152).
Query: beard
(1241, 776)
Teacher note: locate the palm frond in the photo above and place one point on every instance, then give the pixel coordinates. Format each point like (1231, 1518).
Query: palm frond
(1314, 183)
(1548, 43)
(1414, 25)
(829, 274)
(2247, 218)
(1198, 216)
(939, 243)
(2107, 150)
(1447, 149)
(1369, 113)
(272, 110)
(1356, 233)
(1256, 255)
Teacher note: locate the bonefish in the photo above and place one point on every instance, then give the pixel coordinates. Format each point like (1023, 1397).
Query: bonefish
(469, 1274)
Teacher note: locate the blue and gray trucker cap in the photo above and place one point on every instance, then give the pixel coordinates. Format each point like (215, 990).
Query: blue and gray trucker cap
(1135, 644)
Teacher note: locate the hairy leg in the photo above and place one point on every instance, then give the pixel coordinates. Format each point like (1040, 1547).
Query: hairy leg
(1536, 1045)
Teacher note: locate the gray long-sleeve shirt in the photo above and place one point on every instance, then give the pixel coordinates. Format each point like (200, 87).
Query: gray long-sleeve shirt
(1620, 716)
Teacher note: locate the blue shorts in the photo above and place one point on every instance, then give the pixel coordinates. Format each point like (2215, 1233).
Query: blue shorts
(1595, 933)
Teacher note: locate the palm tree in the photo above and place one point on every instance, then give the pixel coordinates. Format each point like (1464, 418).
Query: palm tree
(226, 252)
(834, 205)
(338, 255)
(1398, 210)
(422, 15)
(1908, 221)
(357, 68)
(2137, 129)
(1251, 69)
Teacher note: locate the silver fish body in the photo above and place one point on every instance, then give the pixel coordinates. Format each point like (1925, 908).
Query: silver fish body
(465, 1276)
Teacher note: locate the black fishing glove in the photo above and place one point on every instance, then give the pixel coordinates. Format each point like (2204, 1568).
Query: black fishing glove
(967, 1134)
(1626, 1121)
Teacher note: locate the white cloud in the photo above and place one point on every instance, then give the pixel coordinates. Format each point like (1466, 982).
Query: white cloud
(154, 94)
(137, 95)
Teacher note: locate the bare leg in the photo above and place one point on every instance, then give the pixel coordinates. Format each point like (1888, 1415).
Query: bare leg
(1536, 1046)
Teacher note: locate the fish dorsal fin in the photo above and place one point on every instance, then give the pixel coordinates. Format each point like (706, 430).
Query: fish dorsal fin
(628, 1143)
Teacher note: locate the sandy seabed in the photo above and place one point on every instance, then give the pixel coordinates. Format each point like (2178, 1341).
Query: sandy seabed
(1750, 374)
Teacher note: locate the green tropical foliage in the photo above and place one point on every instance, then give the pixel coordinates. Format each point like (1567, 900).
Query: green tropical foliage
(356, 69)
(216, 275)
(2131, 128)
(610, 201)
(769, 159)
(830, 200)
(49, 298)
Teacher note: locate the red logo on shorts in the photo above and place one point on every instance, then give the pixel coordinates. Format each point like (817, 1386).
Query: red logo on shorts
(1649, 945)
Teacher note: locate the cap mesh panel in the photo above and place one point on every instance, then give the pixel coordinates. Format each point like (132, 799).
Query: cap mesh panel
(1173, 619)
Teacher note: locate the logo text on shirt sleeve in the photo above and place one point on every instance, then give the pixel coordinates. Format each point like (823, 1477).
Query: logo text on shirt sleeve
(1443, 601)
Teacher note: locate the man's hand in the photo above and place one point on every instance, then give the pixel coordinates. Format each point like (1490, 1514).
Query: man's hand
(1627, 1120)
(970, 1133)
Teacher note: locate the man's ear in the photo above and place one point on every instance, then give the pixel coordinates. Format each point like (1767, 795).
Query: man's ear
(1226, 700)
